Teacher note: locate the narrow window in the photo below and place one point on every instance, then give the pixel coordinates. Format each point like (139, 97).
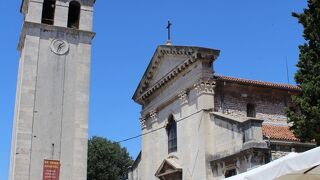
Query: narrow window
(48, 9)
(74, 14)
(172, 135)
(251, 111)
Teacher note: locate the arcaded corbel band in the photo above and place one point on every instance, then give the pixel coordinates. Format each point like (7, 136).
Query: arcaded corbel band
(143, 122)
(183, 96)
(153, 115)
(205, 87)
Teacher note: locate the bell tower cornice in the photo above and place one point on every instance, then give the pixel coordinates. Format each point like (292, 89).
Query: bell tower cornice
(88, 35)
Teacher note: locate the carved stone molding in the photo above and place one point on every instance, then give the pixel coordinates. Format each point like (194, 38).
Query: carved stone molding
(143, 122)
(205, 87)
(183, 96)
(163, 81)
(153, 116)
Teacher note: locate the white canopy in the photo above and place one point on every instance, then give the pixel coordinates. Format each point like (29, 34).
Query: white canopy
(294, 166)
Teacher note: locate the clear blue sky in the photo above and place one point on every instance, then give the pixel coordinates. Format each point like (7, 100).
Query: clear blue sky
(255, 38)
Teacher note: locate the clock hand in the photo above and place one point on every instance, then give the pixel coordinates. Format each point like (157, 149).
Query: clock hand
(60, 46)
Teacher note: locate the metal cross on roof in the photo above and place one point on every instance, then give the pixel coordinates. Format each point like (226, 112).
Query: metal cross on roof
(169, 33)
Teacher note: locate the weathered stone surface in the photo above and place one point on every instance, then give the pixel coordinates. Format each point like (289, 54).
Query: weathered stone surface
(232, 99)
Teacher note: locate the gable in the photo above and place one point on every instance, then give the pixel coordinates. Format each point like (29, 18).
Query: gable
(166, 63)
(168, 166)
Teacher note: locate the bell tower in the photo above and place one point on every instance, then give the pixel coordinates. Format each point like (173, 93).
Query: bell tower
(50, 130)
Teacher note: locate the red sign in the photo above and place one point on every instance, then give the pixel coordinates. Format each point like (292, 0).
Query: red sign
(51, 170)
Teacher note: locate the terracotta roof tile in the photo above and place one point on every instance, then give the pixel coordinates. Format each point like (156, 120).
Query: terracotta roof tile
(257, 83)
(278, 133)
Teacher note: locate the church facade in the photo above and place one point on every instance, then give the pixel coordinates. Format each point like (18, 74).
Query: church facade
(200, 125)
(50, 130)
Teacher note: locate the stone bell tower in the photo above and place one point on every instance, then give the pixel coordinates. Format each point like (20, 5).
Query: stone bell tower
(50, 130)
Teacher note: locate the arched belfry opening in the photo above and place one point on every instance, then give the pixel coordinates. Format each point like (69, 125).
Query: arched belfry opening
(48, 10)
(74, 14)
(172, 134)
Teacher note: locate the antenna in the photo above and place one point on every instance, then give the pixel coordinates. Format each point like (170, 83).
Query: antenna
(287, 70)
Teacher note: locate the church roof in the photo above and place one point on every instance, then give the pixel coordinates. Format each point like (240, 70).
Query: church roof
(257, 83)
(278, 132)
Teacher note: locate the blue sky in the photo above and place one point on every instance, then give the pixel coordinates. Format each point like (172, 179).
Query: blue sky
(255, 39)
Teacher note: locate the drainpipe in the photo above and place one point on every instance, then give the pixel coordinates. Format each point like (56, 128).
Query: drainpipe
(269, 146)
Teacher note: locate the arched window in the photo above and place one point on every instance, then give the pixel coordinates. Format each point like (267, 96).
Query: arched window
(251, 110)
(48, 9)
(74, 14)
(172, 134)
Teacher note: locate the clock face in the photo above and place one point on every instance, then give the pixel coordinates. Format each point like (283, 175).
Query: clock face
(59, 46)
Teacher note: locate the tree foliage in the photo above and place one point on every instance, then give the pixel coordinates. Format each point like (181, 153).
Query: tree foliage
(107, 160)
(305, 115)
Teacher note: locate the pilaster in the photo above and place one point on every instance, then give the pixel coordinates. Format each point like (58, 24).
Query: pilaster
(205, 93)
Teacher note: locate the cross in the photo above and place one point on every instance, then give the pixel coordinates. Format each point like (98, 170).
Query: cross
(169, 28)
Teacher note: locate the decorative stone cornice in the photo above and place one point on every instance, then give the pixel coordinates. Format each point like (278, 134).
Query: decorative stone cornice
(183, 96)
(163, 81)
(205, 87)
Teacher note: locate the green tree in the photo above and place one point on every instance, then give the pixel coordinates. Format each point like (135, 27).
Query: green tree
(107, 160)
(305, 115)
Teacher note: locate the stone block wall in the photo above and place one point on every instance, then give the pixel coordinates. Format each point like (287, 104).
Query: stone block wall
(270, 104)
(278, 154)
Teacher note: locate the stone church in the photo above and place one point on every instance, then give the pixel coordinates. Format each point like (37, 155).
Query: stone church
(198, 125)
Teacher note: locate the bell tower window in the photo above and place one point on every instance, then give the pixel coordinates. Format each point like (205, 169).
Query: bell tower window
(48, 9)
(74, 15)
(172, 134)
